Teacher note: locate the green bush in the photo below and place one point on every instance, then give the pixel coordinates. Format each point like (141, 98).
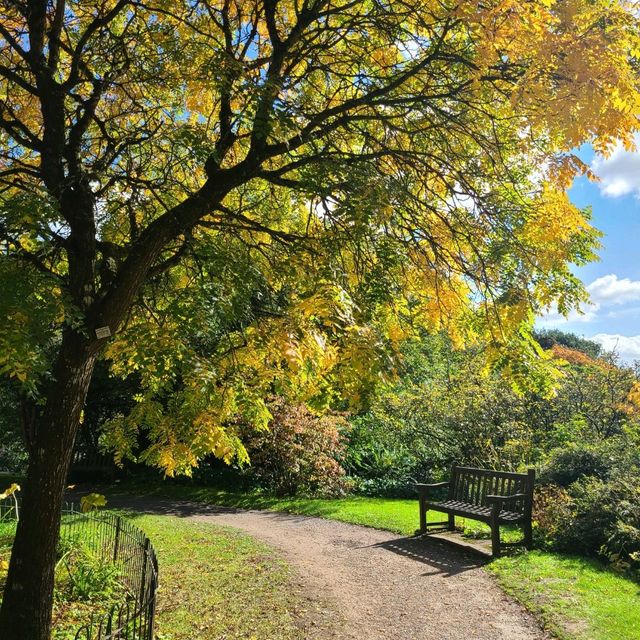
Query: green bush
(622, 547)
(569, 464)
(552, 509)
(384, 457)
(593, 517)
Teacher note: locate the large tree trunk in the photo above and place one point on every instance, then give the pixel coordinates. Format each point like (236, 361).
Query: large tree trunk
(28, 595)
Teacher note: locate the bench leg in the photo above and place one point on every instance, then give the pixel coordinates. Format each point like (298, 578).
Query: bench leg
(423, 516)
(528, 535)
(495, 537)
(452, 522)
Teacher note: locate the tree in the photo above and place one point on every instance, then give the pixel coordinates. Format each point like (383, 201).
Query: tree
(550, 337)
(446, 406)
(390, 151)
(597, 395)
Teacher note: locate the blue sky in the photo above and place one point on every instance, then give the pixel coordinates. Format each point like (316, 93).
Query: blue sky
(613, 317)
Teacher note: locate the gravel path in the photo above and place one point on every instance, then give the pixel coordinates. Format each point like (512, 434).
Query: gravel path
(373, 585)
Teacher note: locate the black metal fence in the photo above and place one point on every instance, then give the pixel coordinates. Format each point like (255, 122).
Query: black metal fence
(115, 540)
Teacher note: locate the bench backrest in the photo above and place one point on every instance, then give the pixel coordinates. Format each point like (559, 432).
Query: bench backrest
(472, 486)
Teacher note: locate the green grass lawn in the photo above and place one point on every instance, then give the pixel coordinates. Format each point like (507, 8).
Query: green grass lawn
(575, 598)
(218, 583)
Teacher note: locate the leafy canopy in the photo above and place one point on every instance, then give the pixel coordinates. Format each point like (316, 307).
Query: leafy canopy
(262, 195)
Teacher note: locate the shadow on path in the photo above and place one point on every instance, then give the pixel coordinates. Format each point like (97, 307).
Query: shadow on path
(167, 507)
(370, 581)
(441, 556)
(187, 509)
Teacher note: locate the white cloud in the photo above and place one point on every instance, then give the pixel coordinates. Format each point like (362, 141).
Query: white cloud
(619, 173)
(610, 289)
(627, 347)
(605, 292)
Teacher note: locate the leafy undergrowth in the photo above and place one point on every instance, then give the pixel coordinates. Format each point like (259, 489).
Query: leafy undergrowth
(218, 583)
(575, 598)
(7, 531)
(86, 588)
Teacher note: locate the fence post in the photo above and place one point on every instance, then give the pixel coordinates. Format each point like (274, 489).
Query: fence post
(152, 607)
(147, 542)
(116, 544)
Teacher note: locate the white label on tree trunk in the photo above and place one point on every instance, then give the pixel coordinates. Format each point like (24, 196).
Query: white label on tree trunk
(103, 332)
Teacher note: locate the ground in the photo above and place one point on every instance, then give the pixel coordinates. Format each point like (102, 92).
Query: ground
(366, 583)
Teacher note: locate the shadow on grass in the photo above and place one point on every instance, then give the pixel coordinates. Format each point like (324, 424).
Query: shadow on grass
(213, 499)
(139, 505)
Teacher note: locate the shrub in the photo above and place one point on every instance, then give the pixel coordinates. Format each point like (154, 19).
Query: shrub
(213, 472)
(592, 517)
(298, 453)
(552, 509)
(569, 464)
(622, 547)
(383, 455)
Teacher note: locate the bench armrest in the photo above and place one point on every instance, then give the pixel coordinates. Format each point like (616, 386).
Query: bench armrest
(499, 499)
(425, 488)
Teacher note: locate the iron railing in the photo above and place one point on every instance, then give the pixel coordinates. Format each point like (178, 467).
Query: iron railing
(113, 539)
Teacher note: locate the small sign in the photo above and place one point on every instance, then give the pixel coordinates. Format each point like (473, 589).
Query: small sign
(103, 332)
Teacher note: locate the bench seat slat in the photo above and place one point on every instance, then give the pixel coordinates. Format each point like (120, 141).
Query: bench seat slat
(465, 509)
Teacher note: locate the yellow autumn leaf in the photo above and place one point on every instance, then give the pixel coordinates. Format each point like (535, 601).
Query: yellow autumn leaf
(13, 488)
(92, 501)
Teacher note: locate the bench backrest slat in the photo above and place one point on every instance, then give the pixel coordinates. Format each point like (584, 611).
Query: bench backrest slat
(472, 486)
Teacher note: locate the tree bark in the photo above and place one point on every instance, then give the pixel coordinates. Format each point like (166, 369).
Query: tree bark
(28, 595)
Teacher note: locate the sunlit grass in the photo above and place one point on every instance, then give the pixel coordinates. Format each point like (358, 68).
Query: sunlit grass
(218, 583)
(577, 598)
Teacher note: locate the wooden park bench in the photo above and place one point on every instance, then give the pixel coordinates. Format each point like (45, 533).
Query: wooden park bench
(494, 497)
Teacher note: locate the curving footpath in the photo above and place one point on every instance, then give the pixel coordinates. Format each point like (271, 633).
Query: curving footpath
(367, 584)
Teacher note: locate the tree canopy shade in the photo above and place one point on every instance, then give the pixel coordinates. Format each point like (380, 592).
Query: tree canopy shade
(278, 186)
